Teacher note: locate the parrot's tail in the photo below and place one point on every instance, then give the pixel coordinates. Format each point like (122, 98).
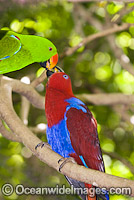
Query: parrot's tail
(91, 190)
(92, 193)
(97, 197)
(91, 198)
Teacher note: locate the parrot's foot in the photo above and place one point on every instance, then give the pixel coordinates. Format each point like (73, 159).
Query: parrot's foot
(42, 144)
(65, 160)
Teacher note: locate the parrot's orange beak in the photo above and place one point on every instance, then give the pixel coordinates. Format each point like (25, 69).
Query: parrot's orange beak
(52, 62)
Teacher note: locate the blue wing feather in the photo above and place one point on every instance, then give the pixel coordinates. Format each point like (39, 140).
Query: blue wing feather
(75, 103)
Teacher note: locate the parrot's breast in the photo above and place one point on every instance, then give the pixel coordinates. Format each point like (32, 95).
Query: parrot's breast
(59, 139)
(55, 107)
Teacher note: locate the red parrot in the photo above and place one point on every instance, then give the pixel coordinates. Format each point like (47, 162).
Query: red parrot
(72, 129)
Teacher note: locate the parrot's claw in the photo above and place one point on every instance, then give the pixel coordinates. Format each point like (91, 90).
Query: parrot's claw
(42, 144)
(65, 160)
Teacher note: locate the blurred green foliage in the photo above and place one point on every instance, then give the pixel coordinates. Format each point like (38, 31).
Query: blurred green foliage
(93, 68)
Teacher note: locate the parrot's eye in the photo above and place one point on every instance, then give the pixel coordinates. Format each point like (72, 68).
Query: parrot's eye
(50, 48)
(65, 76)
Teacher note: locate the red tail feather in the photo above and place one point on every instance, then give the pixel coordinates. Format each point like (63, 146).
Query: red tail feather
(91, 192)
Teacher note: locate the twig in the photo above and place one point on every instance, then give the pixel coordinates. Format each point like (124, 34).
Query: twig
(24, 111)
(39, 80)
(90, 38)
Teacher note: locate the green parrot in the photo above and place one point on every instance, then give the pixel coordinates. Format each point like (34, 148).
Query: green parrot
(17, 51)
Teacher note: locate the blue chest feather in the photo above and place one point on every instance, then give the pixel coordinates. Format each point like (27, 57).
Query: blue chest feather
(59, 139)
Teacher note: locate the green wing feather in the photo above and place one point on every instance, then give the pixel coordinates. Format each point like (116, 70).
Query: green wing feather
(9, 46)
(16, 53)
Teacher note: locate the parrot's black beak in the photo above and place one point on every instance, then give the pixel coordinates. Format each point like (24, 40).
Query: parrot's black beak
(49, 73)
(43, 64)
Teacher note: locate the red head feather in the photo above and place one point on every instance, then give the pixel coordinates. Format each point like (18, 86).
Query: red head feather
(58, 89)
(61, 82)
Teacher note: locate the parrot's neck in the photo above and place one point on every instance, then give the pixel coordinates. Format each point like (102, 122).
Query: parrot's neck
(55, 106)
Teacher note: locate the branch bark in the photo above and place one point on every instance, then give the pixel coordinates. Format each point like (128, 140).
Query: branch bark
(39, 80)
(26, 90)
(8, 134)
(90, 38)
(107, 99)
(24, 111)
(39, 101)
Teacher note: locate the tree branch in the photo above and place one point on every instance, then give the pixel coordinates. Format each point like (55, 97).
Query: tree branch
(107, 99)
(24, 111)
(51, 158)
(8, 134)
(90, 38)
(39, 101)
(25, 90)
(39, 80)
(46, 155)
